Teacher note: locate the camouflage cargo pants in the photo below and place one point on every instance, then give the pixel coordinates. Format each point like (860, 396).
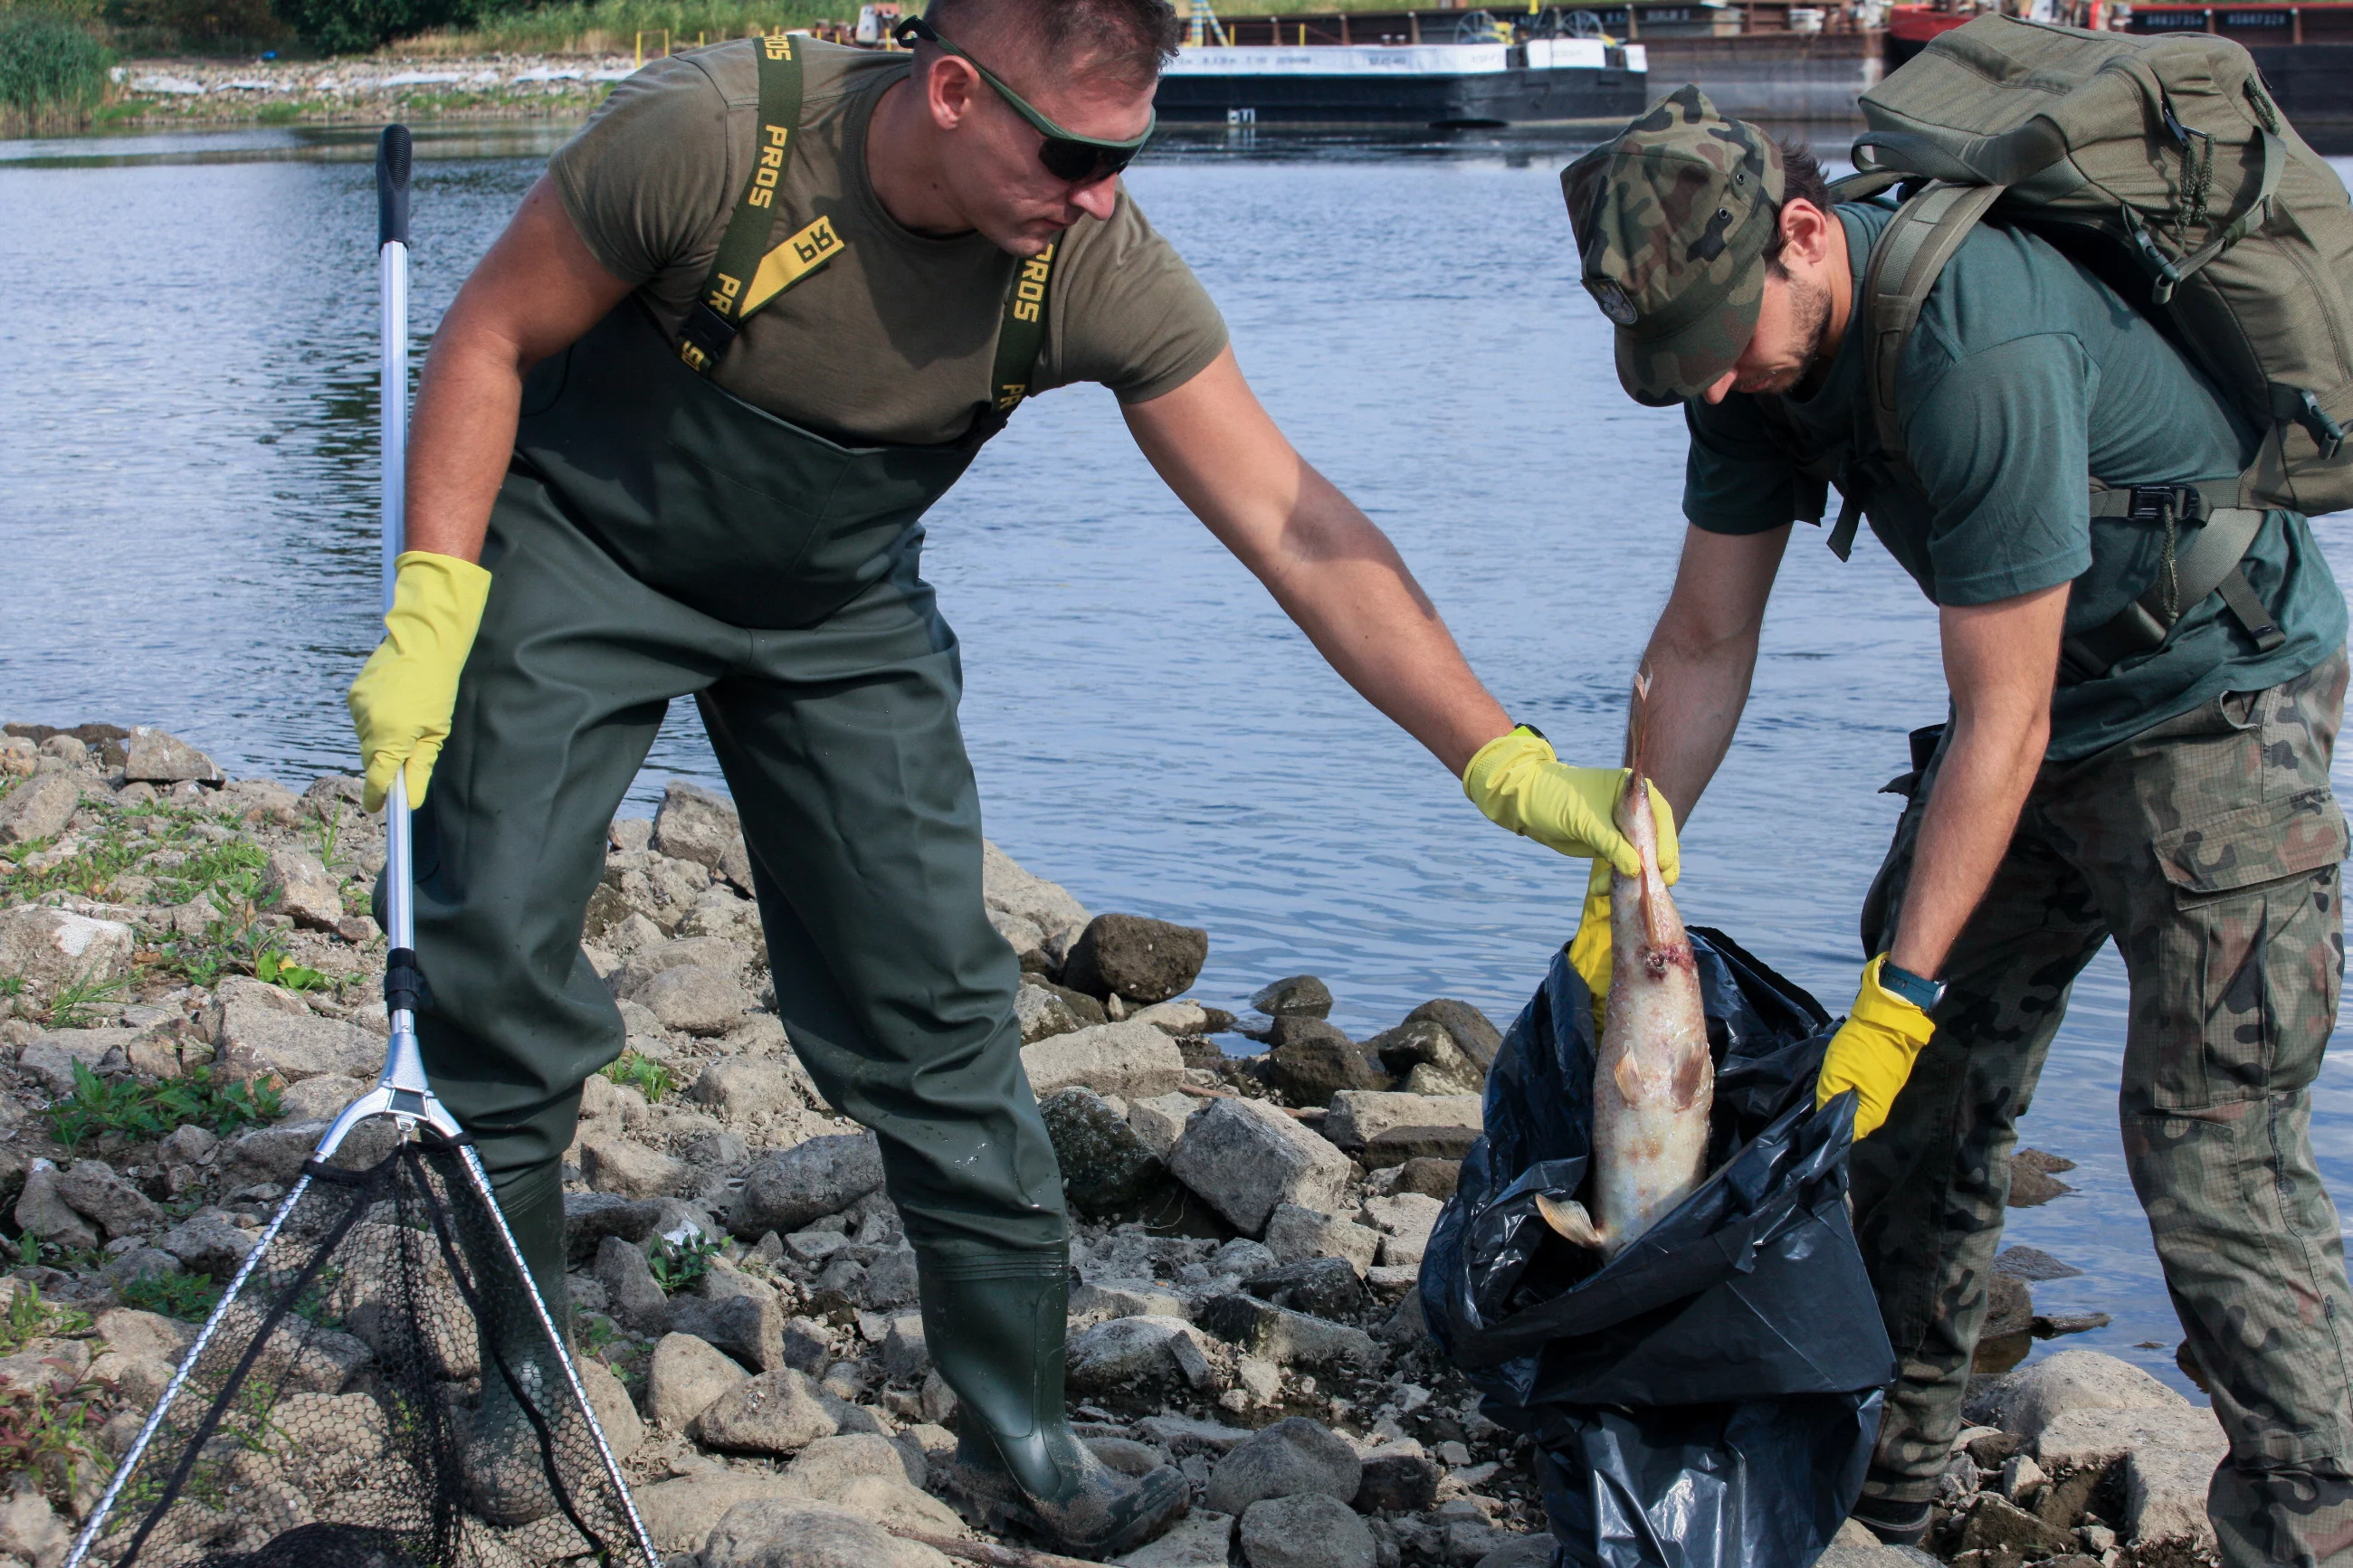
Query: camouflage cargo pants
(2208, 847)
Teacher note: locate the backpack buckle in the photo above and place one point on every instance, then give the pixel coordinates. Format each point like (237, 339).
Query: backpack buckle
(2156, 503)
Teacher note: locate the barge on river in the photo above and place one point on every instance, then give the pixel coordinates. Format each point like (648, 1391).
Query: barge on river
(1457, 68)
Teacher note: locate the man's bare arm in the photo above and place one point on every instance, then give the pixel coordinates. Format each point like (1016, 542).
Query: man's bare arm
(1703, 655)
(1330, 569)
(2000, 662)
(533, 295)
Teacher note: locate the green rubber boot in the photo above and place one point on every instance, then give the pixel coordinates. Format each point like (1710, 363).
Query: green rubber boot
(995, 1326)
(506, 1477)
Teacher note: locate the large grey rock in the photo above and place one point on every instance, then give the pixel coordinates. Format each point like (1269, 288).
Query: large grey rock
(1401, 1478)
(1303, 995)
(262, 1029)
(42, 1211)
(827, 1467)
(631, 1294)
(1326, 1288)
(1135, 1352)
(1996, 1524)
(1202, 1539)
(208, 1244)
(1106, 1165)
(1134, 1061)
(1162, 1119)
(683, 1377)
(153, 757)
(1359, 1116)
(49, 948)
(1135, 956)
(696, 1000)
(785, 1190)
(2026, 1401)
(1405, 1221)
(1293, 1457)
(38, 808)
(1288, 1337)
(1006, 888)
(2165, 1494)
(1537, 1552)
(1244, 1158)
(1316, 1061)
(1044, 1012)
(679, 1514)
(746, 1324)
(779, 1412)
(299, 886)
(740, 1089)
(793, 1532)
(1450, 1038)
(623, 1427)
(1295, 1234)
(695, 824)
(93, 1190)
(589, 1218)
(53, 1057)
(612, 1162)
(2086, 1437)
(1310, 1530)
(721, 953)
(30, 1530)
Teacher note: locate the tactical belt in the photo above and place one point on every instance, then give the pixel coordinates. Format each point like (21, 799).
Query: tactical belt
(746, 274)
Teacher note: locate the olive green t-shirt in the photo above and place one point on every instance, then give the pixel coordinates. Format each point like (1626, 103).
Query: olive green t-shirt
(2025, 377)
(893, 340)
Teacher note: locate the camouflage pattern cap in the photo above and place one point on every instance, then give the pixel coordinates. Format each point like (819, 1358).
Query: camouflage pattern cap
(1671, 217)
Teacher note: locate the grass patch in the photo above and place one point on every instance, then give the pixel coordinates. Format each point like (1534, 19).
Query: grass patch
(278, 114)
(29, 1318)
(643, 1073)
(81, 1001)
(614, 26)
(147, 1112)
(190, 1297)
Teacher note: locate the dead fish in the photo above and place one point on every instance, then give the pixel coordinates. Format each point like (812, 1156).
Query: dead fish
(1653, 1081)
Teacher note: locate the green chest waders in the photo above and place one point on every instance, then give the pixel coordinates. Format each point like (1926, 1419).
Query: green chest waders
(656, 537)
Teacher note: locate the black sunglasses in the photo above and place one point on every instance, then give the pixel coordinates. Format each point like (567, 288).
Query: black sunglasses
(1081, 160)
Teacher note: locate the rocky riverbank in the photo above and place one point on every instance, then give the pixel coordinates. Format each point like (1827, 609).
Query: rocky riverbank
(189, 987)
(173, 93)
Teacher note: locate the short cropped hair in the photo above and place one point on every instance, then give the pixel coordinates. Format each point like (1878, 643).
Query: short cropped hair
(1802, 180)
(1131, 39)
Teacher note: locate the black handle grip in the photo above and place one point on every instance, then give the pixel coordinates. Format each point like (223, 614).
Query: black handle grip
(392, 156)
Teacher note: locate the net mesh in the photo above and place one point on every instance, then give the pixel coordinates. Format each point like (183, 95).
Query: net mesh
(325, 1422)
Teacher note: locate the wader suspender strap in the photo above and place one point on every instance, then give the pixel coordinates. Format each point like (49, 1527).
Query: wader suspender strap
(1018, 338)
(2210, 565)
(746, 274)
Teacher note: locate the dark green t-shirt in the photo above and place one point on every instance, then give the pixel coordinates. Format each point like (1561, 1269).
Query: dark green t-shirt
(2025, 377)
(894, 341)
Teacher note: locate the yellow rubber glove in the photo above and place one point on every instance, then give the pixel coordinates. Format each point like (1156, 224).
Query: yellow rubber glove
(406, 692)
(1589, 950)
(1520, 785)
(1874, 1051)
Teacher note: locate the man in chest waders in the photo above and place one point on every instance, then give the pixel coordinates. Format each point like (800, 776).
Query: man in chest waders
(2177, 801)
(686, 416)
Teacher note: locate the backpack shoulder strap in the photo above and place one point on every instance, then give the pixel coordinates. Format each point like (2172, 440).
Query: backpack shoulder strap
(1904, 265)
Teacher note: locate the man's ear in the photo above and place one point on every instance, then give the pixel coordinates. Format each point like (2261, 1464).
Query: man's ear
(949, 86)
(1805, 232)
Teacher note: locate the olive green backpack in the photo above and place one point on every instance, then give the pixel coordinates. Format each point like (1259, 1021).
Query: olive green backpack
(2162, 163)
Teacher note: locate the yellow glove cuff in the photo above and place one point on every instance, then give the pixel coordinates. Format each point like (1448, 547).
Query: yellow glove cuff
(1874, 1051)
(1588, 951)
(1499, 770)
(1521, 785)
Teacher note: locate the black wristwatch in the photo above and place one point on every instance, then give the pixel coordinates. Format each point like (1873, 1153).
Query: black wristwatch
(1917, 989)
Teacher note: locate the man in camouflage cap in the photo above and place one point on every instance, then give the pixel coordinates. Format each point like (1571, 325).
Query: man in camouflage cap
(2175, 800)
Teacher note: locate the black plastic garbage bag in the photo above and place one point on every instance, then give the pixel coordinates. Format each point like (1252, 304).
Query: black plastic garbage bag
(1709, 1398)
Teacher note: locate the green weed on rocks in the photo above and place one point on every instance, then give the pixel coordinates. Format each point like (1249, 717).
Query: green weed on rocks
(147, 1112)
(643, 1073)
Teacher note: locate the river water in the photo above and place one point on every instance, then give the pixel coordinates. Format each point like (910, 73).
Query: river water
(187, 539)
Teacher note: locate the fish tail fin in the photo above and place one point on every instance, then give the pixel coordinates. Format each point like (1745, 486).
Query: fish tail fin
(1569, 1219)
(1636, 722)
(1638, 800)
